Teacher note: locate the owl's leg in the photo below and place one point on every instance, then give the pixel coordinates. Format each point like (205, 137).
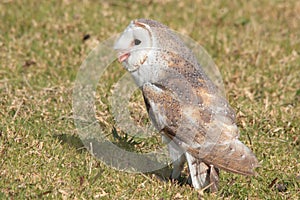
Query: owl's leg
(214, 178)
(177, 156)
(199, 172)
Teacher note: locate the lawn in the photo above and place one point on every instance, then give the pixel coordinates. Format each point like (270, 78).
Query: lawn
(256, 46)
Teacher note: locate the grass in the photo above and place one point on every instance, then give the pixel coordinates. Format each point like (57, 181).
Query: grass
(256, 46)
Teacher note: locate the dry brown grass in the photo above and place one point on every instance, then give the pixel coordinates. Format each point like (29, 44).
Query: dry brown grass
(256, 45)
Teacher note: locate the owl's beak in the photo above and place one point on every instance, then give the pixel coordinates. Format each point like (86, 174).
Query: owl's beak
(122, 57)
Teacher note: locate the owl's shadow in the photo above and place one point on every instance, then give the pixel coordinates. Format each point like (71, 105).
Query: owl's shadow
(163, 174)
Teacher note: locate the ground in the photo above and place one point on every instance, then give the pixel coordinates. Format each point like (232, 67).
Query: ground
(256, 46)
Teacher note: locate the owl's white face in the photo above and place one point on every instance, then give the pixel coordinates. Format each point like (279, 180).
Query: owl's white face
(133, 45)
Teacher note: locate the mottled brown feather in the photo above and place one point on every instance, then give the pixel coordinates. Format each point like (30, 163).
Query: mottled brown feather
(241, 160)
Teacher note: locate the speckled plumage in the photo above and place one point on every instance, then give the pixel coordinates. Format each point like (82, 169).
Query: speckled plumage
(184, 104)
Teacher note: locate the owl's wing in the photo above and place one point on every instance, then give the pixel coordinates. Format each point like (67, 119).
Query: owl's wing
(206, 130)
(205, 62)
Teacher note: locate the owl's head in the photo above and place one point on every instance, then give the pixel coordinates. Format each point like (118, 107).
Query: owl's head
(145, 48)
(134, 44)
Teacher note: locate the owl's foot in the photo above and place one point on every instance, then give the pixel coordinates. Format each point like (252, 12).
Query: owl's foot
(214, 179)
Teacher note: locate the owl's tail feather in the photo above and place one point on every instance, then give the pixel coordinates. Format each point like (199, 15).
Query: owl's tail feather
(231, 156)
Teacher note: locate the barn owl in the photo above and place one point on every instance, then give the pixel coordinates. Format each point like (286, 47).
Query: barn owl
(185, 106)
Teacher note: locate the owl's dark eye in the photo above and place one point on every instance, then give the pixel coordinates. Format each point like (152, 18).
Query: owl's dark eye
(137, 42)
